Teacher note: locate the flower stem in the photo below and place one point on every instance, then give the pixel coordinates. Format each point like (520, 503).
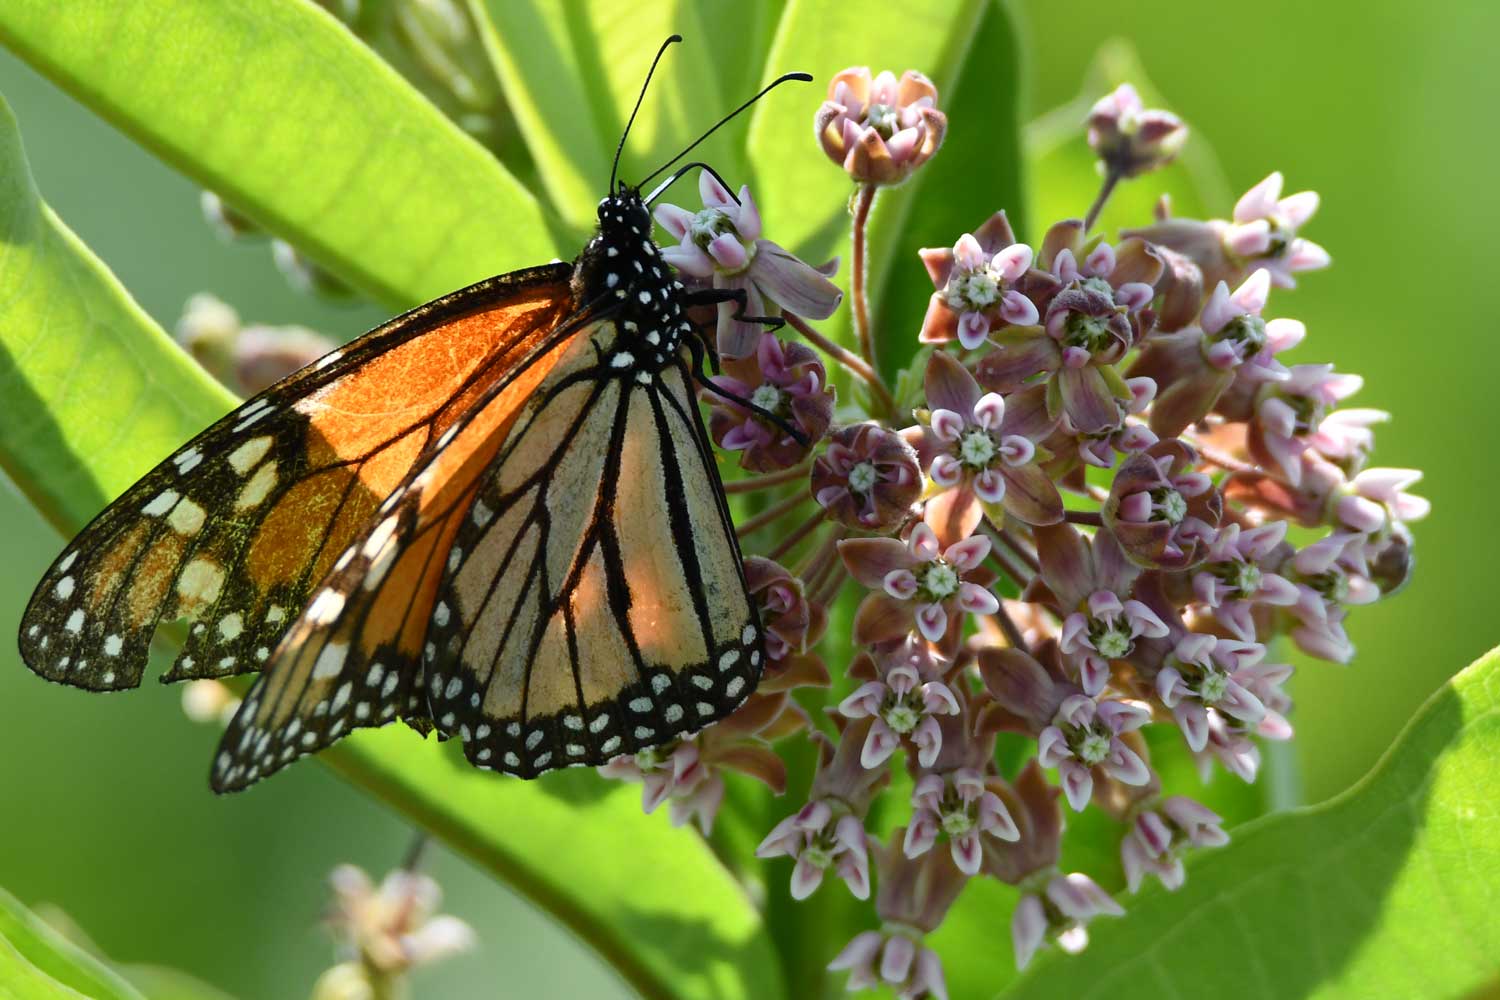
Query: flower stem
(861, 305)
(752, 483)
(1089, 517)
(1111, 178)
(801, 532)
(1022, 552)
(832, 583)
(1012, 633)
(771, 513)
(856, 365)
(413, 858)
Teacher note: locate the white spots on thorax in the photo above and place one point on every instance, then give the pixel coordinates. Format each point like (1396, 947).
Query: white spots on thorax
(611, 252)
(645, 297)
(68, 561)
(186, 518)
(64, 588)
(163, 502)
(611, 280)
(325, 607)
(248, 455)
(653, 338)
(230, 626)
(74, 623)
(112, 645)
(258, 487)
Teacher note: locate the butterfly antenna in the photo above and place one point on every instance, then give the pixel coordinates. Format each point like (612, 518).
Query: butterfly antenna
(685, 168)
(803, 77)
(615, 167)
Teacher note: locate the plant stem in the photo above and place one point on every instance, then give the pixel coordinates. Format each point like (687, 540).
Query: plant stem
(801, 532)
(861, 305)
(1111, 178)
(413, 859)
(1089, 517)
(1022, 552)
(832, 584)
(856, 365)
(770, 514)
(1012, 633)
(752, 483)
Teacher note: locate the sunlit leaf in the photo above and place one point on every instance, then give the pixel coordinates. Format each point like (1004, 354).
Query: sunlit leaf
(96, 394)
(278, 108)
(1385, 890)
(37, 962)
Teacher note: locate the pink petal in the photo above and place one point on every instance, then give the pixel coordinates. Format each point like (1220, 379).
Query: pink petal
(1259, 201)
(1018, 310)
(947, 424)
(1013, 261)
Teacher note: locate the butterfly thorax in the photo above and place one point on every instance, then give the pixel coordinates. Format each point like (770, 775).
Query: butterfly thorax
(621, 273)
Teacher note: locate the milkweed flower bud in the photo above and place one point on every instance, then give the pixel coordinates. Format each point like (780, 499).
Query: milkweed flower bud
(867, 477)
(1130, 138)
(880, 130)
(785, 379)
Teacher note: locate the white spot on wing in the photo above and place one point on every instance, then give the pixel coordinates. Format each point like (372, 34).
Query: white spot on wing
(330, 662)
(248, 455)
(164, 502)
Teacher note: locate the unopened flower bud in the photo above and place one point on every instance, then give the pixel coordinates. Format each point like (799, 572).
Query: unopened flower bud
(1130, 138)
(880, 130)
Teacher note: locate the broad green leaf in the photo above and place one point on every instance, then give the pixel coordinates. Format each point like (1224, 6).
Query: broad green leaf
(49, 964)
(156, 982)
(572, 72)
(1058, 155)
(95, 394)
(1386, 890)
(94, 391)
(278, 108)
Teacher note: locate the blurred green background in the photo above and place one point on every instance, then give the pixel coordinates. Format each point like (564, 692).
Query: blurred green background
(1385, 108)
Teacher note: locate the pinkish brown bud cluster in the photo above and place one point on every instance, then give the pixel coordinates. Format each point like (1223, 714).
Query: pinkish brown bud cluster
(1079, 530)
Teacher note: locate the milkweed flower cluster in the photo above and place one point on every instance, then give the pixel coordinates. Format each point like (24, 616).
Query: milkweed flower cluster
(1079, 530)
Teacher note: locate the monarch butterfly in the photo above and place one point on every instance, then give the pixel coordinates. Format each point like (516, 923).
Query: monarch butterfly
(497, 515)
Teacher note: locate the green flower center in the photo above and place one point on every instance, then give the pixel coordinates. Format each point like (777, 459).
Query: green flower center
(884, 119)
(1111, 641)
(708, 225)
(1332, 584)
(1213, 686)
(976, 449)
(862, 477)
(956, 824)
(817, 855)
(939, 581)
(1092, 746)
(767, 397)
(901, 717)
(976, 290)
(1171, 506)
(1091, 333)
(1096, 284)
(1249, 332)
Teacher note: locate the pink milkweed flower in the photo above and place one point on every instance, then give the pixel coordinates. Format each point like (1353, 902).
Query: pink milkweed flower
(875, 958)
(903, 706)
(1059, 910)
(792, 622)
(1086, 734)
(394, 927)
(1233, 579)
(722, 242)
(821, 836)
(1159, 836)
(979, 286)
(1287, 413)
(1091, 581)
(1130, 138)
(786, 379)
(977, 463)
(867, 477)
(880, 130)
(1195, 365)
(1264, 232)
(1161, 509)
(1261, 236)
(959, 806)
(916, 582)
(1205, 672)
(1347, 436)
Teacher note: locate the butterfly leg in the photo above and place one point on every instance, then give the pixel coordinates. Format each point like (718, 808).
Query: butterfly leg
(701, 349)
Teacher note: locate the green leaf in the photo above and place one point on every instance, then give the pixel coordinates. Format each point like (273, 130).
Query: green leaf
(1057, 152)
(36, 961)
(94, 390)
(278, 108)
(572, 72)
(157, 982)
(96, 394)
(1385, 890)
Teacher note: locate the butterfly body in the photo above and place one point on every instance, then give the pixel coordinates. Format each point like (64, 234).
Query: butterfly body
(497, 516)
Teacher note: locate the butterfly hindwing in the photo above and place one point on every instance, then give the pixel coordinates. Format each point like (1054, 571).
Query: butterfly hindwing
(234, 532)
(594, 601)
